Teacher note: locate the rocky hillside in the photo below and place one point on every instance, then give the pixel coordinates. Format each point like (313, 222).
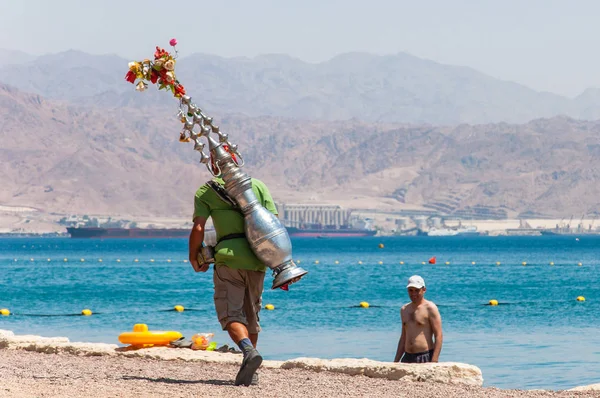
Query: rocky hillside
(64, 158)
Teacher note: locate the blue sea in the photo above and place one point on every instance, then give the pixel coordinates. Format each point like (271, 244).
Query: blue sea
(539, 336)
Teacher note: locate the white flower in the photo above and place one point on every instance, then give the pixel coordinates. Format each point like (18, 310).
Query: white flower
(170, 65)
(169, 77)
(141, 86)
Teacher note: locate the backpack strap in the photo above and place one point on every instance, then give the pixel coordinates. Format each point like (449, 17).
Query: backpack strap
(222, 194)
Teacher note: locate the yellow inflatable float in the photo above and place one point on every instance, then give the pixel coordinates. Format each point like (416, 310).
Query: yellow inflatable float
(141, 336)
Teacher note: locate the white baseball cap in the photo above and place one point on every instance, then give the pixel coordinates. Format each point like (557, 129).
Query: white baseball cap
(416, 281)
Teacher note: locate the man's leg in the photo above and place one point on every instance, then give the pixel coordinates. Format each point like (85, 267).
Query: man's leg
(230, 288)
(252, 306)
(253, 338)
(252, 358)
(247, 343)
(238, 331)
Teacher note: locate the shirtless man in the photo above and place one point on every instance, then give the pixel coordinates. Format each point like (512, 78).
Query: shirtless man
(421, 339)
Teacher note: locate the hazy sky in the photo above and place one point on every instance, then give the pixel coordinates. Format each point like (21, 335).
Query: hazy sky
(548, 45)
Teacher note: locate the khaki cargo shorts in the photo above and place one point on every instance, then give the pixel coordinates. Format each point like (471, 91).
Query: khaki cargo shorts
(238, 296)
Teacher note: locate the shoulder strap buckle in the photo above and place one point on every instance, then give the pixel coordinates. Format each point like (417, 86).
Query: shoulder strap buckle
(223, 195)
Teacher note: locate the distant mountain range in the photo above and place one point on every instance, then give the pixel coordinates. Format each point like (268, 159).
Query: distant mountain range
(64, 157)
(388, 89)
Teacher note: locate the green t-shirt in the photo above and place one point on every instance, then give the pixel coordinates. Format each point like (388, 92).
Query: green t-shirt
(235, 253)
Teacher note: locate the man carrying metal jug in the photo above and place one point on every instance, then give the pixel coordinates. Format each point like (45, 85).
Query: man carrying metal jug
(238, 274)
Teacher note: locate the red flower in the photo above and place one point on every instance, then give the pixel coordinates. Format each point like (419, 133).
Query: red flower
(153, 76)
(179, 90)
(130, 77)
(159, 53)
(163, 74)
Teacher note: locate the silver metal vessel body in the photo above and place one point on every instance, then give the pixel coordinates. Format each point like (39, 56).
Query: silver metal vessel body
(268, 238)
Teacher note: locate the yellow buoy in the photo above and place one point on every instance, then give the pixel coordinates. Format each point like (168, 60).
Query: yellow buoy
(497, 262)
(580, 298)
(337, 262)
(381, 246)
(151, 260)
(401, 262)
(136, 260)
(551, 263)
(493, 302)
(473, 262)
(179, 308)
(82, 260)
(185, 261)
(360, 262)
(99, 260)
(65, 260)
(118, 260)
(381, 262)
(269, 307)
(86, 312)
(298, 262)
(447, 262)
(524, 263)
(4, 312)
(579, 264)
(423, 262)
(31, 259)
(48, 260)
(364, 304)
(316, 261)
(169, 260)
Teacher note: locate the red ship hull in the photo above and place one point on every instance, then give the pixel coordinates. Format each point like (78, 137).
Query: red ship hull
(128, 233)
(156, 233)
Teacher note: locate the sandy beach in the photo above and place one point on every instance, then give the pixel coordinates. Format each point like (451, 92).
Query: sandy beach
(27, 374)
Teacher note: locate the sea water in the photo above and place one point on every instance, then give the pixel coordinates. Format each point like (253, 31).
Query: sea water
(539, 336)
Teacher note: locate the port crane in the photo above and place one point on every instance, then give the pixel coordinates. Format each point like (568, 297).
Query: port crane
(592, 223)
(580, 225)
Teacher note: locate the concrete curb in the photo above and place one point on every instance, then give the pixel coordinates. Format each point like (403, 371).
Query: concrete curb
(444, 372)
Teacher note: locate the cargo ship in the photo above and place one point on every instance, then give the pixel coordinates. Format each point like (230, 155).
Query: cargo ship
(153, 233)
(131, 233)
(555, 231)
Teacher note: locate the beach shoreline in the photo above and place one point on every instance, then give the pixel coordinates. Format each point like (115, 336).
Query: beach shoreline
(50, 367)
(27, 220)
